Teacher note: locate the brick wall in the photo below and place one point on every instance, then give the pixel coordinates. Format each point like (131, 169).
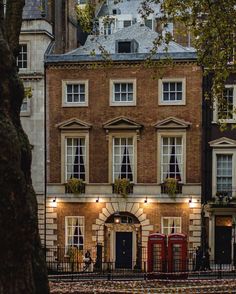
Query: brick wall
(147, 112)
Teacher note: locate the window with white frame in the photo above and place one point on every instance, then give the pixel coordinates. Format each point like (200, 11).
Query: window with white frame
(172, 158)
(123, 158)
(226, 107)
(75, 161)
(172, 91)
(22, 58)
(224, 173)
(123, 92)
(75, 93)
(25, 106)
(170, 225)
(74, 235)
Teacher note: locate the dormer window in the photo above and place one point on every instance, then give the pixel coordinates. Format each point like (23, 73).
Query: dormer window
(126, 46)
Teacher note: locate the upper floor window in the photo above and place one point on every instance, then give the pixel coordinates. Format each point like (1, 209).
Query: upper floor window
(74, 232)
(224, 173)
(171, 225)
(172, 91)
(22, 59)
(123, 92)
(171, 158)
(75, 93)
(126, 46)
(148, 23)
(123, 158)
(226, 107)
(127, 23)
(75, 158)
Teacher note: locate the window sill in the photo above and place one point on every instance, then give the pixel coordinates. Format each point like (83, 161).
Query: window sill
(75, 105)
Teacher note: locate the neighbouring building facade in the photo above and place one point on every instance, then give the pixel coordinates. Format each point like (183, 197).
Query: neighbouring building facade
(35, 39)
(219, 172)
(113, 116)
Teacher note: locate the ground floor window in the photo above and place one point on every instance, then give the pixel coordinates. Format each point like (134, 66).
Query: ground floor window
(170, 225)
(74, 226)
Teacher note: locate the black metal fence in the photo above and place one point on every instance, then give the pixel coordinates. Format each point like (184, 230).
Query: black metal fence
(72, 264)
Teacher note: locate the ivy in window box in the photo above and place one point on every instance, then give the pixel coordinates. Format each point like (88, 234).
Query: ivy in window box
(170, 187)
(122, 187)
(75, 186)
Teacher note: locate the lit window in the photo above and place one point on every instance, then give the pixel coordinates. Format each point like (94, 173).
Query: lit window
(224, 173)
(75, 158)
(171, 225)
(22, 61)
(74, 232)
(172, 91)
(171, 158)
(123, 158)
(75, 93)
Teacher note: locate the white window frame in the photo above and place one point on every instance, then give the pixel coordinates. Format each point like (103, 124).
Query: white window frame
(27, 112)
(171, 80)
(215, 112)
(27, 43)
(112, 92)
(222, 151)
(170, 219)
(66, 230)
(64, 93)
(64, 136)
(127, 134)
(170, 133)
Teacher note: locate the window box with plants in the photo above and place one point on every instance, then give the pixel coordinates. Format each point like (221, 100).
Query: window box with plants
(75, 186)
(171, 186)
(122, 187)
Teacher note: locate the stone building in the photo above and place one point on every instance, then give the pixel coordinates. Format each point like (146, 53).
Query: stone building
(111, 115)
(219, 172)
(35, 39)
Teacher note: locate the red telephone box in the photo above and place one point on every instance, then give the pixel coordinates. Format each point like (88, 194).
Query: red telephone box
(177, 252)
(157, 252)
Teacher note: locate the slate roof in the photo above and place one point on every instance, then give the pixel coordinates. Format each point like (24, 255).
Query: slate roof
(125, 7)
(33, 9)
(138, 32)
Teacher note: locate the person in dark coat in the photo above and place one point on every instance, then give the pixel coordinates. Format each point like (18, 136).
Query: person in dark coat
(198, 258)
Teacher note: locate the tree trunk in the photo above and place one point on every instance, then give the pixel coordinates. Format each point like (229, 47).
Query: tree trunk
(22, 263)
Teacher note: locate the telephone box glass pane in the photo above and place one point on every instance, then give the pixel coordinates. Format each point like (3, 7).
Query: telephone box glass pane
(157, 257)
(177, 248)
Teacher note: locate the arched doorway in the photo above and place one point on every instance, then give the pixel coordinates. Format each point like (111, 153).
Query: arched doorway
(122, 242)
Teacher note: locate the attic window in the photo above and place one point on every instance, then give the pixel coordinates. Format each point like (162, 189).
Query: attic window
(124, 47)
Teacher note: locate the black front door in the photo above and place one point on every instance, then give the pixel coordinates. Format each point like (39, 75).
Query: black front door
(123, 249)
(223, 244)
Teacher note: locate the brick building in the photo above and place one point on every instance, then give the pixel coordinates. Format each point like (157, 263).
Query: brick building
(219, 172)
(121, 118)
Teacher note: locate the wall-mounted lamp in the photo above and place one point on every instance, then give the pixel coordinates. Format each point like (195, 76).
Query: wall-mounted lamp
(117, 217)
(97, 200)
(54, 202)
(146, 200)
